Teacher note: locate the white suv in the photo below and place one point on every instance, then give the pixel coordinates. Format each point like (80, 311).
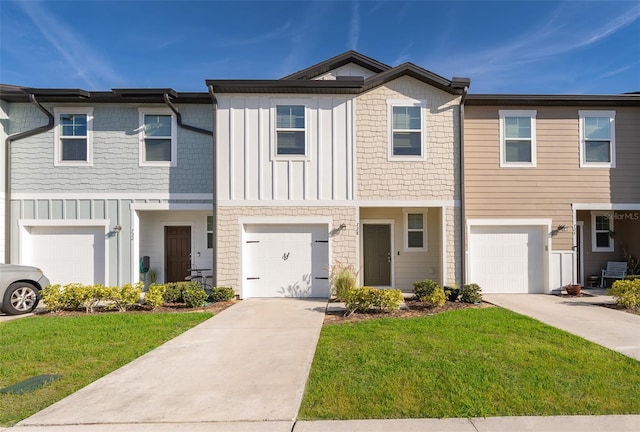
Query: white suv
(20, 288)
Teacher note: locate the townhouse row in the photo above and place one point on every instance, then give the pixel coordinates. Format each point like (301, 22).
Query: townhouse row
(265, 184)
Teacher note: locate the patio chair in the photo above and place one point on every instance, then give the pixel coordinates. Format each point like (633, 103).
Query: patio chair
(614, 270)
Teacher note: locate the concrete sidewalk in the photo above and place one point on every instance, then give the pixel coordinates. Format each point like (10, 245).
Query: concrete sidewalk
(582, 316)
(248, 364)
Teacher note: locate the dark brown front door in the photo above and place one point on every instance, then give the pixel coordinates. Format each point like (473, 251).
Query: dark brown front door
(177, 245)
(377, 255)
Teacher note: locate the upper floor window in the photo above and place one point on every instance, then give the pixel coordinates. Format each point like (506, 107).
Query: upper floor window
(415, 234)
(73, 136)
(157, 138)
(601, 232)
(290, 130)
(406, 135)
(597, 139)
(517, 138)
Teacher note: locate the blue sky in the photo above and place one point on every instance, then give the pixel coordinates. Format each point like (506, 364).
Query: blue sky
(570, 47)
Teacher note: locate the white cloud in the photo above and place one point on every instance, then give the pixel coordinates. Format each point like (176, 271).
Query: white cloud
(354, 26)
(88, 65)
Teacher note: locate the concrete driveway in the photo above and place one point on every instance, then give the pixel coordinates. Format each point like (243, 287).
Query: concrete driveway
(582, 316)
(244, 368)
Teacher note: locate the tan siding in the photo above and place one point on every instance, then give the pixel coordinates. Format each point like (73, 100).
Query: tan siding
(549, 189)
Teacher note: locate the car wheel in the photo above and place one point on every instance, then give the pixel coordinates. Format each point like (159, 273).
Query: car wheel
(20, 298)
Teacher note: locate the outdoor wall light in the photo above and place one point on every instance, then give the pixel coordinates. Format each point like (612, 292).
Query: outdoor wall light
(117, 228)
(342, 227)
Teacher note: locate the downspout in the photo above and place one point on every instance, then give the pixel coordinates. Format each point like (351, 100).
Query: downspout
(214, 264)
(167, 100)
(463, 219)
(8, 141)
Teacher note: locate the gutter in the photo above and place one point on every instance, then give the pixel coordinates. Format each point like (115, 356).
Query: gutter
(214, 251)
(8, 141)
(463, 219)
(167, 100)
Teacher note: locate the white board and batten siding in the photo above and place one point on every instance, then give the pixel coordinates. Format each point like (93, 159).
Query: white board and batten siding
(248, 168)
(508, 258)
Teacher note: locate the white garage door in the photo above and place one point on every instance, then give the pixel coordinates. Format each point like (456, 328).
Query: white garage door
(67, 254)
(285, 261)
(507, 259)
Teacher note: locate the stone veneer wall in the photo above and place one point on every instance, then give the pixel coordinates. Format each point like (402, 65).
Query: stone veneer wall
(343, 246)
(378, 178)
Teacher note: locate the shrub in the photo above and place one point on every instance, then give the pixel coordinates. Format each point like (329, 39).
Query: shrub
(343, 277)
(155, 295)
(430, 292)
(361, 299)
(173, 292)
(126, 296)
(71, 296)
(387, 299)
(52, 298)
(358, 299)
(626, 293)
(471, 293)
(194, 296)
(219, 294)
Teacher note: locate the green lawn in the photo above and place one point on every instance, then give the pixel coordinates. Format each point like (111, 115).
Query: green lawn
(80, 348)
(465, 363)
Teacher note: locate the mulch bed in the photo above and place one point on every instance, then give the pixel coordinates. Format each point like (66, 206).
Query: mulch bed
(166, 308)
(621, 308)
(414, 309)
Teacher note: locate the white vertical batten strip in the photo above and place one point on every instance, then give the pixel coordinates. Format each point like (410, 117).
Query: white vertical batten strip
(260, 142)
(231, 146)
(333, 149)
(246, 150)
(319, 145)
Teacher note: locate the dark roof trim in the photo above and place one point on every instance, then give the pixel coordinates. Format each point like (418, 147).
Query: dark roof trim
(345, 85)
(337, 61)
(353, 85)
(456, 86)
(12, 93)
(553, 100)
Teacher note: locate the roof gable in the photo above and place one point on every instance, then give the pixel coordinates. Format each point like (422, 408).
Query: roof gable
(335, 62)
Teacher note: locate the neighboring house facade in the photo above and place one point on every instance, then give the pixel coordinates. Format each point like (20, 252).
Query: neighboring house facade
(349, 161)
(100, 179)
(551, 188)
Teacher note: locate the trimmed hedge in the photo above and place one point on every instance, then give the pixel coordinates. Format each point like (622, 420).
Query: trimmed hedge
(361, 299)
(471, 293)
(77, 296)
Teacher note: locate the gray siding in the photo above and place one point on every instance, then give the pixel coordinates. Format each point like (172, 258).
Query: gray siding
(115, 155)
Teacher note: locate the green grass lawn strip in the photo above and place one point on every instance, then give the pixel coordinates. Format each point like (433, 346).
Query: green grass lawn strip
(466, 363)
(80, 348)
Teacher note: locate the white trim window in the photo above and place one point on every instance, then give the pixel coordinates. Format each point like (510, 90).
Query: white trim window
(415, 230)
(407, 135)
(517, 138)
(158, 139)
(73, 132)
(602, 232)
(209, 232)
(290, 128)
(597, 139)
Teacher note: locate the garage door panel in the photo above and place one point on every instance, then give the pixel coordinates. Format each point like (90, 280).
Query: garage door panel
(285, 261)
(67, 254)
(507, 259)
